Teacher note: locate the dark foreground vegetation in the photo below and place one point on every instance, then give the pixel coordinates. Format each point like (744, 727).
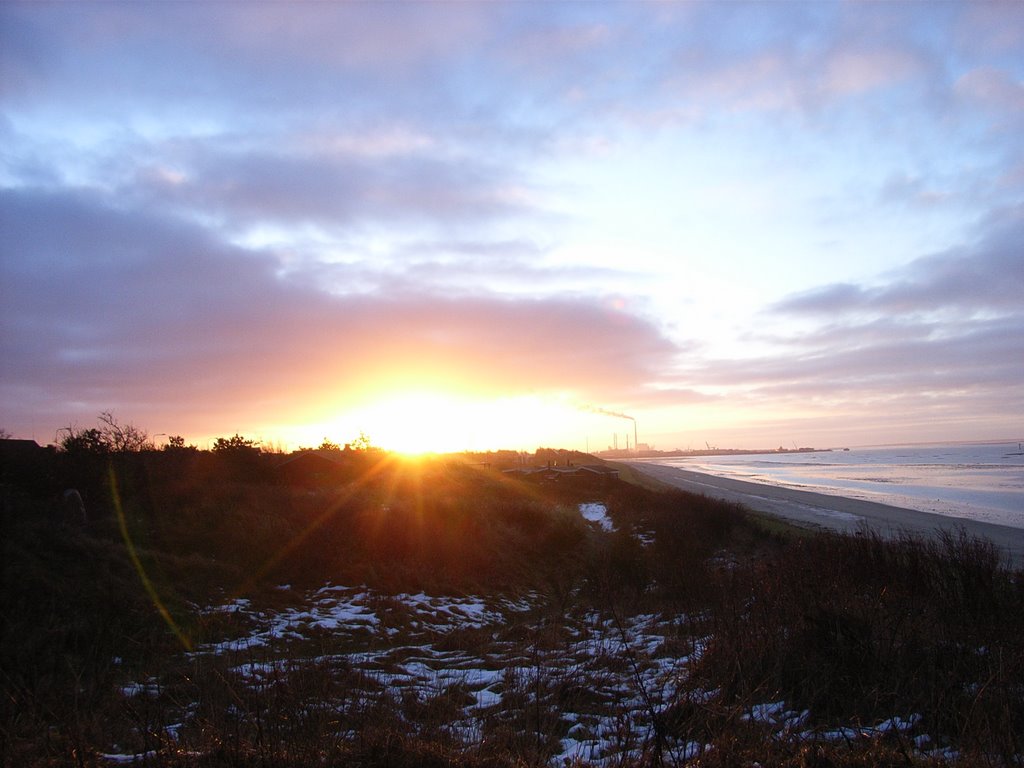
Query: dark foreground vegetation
(691, 633)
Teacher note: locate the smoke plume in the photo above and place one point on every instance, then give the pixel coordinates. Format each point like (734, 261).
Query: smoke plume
(606, 412)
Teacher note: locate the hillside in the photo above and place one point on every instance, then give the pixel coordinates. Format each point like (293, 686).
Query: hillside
(214, 610)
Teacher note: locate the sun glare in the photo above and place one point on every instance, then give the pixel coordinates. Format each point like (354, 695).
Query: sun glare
(425, 420)
(431, 422)
(414, 422)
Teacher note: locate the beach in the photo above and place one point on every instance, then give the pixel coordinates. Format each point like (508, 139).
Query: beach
(836, 513)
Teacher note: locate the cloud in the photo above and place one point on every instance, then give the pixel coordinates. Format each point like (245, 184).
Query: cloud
(883, 382)
(999, 95)
(310, 51)
(857, 71)
(464, 268)
(947, 327)
(112, 305)
(294, 199)
(332, 190)
(985, 277)
(992, 87)
(997, 27)
(798, 61)
(885, 357)
(913, 191)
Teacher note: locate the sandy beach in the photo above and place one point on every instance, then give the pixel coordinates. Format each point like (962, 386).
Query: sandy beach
(833, 512)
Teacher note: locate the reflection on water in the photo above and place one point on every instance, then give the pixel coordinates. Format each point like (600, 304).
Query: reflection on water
(980, 481)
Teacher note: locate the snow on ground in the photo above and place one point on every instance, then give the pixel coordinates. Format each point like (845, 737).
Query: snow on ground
(149, 688)
(597, 513)
(118, 758)
(603, 677)
(337, 609)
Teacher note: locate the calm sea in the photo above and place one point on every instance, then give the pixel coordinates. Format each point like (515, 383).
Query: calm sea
(980, 481)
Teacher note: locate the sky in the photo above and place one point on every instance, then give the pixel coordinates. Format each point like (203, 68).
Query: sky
(510, 225)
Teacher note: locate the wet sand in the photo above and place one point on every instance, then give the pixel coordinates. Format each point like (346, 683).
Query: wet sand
(836, 513)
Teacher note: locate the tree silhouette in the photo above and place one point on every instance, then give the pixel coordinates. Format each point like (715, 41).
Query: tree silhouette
(110, 437)
(236, 443)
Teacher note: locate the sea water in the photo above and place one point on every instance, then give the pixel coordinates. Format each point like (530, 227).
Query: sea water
(973, 480)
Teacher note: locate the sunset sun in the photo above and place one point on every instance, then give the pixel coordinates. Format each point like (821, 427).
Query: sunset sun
(415, 422)
(423, 421)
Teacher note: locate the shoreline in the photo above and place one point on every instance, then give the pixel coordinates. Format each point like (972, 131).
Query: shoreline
(836, 513)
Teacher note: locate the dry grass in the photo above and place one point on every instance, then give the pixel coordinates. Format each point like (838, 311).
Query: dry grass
(854, 630)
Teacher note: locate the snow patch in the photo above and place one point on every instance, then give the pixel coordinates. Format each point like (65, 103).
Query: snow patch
(598, 514)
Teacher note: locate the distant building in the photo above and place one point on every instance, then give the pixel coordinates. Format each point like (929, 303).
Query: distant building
(15, 450)
(17, 455)
(25, 463)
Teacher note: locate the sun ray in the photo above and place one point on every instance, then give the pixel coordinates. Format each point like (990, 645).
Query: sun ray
(333, 508)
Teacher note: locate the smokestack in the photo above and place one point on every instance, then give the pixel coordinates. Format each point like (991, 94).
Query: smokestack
(617, 415)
